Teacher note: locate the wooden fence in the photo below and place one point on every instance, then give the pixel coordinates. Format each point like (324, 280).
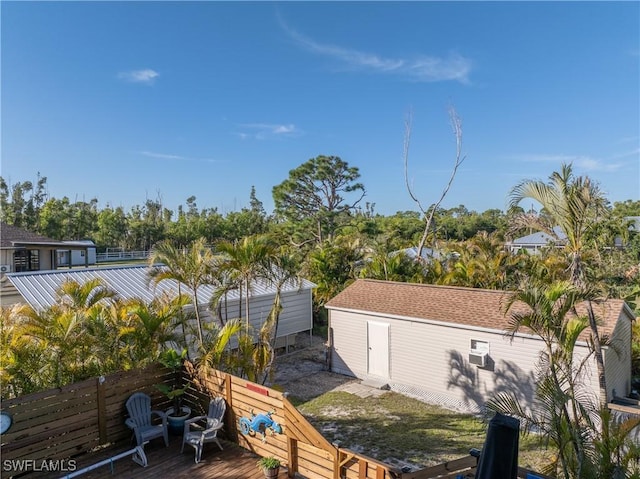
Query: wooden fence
(64, 422)
(300, 446)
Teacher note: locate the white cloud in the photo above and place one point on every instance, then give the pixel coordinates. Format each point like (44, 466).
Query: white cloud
(262, 131)
(423, 68)
(586, 163)
(164, 156)
(146, 76)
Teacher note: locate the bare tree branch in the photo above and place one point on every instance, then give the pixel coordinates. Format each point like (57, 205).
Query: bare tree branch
(456, 124)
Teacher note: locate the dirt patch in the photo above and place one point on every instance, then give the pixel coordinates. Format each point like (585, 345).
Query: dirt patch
(303, 373)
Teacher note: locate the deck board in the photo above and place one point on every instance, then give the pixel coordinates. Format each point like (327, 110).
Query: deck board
(233, 462)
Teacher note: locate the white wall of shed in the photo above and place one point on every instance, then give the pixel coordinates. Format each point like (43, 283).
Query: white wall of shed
(433, 359)
(617, 360)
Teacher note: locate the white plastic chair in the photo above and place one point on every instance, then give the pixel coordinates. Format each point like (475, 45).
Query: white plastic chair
(196, 435)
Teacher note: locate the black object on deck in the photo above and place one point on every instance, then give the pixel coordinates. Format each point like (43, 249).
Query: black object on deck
(499, 456)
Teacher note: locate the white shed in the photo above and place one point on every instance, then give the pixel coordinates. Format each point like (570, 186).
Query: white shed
(447, 344)
(39, 289)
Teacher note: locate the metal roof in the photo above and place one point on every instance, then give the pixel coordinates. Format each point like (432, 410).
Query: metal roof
(541, 238)
(39, 288)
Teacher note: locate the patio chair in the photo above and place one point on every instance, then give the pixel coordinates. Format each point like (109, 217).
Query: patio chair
(140, 420)
(208, 431)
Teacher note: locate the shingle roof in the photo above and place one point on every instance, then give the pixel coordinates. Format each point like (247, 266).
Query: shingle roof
(11, 235)
(480, 308)
(40, 288)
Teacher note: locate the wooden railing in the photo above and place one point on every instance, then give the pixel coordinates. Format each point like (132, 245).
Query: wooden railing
(121, 256)
(464, 467)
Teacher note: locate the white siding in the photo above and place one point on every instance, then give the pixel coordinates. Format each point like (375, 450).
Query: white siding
(617, 360)
(295, 317)
(348, 337)
(589, 379)
(431, 360)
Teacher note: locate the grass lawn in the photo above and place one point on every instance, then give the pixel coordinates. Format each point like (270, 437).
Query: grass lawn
(400, 431)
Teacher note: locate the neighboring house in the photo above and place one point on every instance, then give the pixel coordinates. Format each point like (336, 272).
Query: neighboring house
(534, 242)
(447, 344)
(39, 289)
(82, 257)
(22, 250)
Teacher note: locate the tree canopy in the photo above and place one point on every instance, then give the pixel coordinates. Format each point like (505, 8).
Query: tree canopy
(317, 191)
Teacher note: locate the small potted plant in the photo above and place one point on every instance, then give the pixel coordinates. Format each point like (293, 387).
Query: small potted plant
(270, 466)
(178, 414)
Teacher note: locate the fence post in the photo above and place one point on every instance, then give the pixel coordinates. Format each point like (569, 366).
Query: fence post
(292, 451)
(231, 427)
(337, 459)
(102, 409)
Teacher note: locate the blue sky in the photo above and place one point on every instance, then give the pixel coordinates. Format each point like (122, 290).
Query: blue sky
(124, 101)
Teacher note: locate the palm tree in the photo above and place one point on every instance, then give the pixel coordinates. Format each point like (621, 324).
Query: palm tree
(21, 360)
(91, 301)
(104, 325)
(82, 297)
(60, 333)
(333, 265)
(192, 266)
(215, 344)
(285, 269)
(590, 443)
(151, 326)
(480, 262)
(561, 414)
(392, 266)
(244, 262)
(575, 205)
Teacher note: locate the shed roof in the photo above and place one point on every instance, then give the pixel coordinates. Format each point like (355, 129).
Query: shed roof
(480, 308)
(40, 288)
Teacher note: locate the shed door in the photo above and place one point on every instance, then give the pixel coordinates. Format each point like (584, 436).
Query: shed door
(378, 353)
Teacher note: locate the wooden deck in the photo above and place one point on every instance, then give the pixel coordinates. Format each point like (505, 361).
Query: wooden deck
(233, 462)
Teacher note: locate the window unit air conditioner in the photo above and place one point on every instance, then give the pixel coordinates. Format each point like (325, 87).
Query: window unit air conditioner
(5, 268)
(479, 358)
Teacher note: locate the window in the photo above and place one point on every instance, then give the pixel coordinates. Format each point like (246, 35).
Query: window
(26, 260)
